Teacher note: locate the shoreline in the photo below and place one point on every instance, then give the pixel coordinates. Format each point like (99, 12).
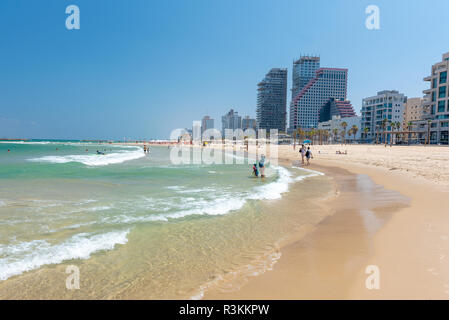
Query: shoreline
(390, 210)
(411, 247)
(321, 264)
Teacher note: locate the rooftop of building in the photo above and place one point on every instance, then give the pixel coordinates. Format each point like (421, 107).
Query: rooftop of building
(307, 58)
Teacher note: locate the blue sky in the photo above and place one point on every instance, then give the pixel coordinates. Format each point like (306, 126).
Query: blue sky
(142, 68)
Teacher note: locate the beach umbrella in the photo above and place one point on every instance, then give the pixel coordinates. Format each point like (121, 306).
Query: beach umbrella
(307, 141)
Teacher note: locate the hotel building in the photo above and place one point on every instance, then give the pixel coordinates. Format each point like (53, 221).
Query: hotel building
(306, 105)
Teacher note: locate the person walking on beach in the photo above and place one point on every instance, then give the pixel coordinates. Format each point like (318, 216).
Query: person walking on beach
(308, 155)
(302, 151)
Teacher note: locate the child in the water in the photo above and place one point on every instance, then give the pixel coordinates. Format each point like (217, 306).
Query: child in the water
(255, 170)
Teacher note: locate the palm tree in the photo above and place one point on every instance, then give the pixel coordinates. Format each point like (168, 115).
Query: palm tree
(295, 133)
(365, 131)
(384, 126)
(392, 125)
(343, 135)
(350, 133)
(377, 134)
(312, 135)
(326, 135)
(398, 127)
(344, 125)
(409, 127)
(302, 134)
(355, 129)
(428, 131)
(335, 132)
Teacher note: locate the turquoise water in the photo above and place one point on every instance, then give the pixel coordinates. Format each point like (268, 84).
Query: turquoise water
(62, 203)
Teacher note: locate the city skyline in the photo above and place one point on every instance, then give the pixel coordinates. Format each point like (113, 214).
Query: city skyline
(97, 83)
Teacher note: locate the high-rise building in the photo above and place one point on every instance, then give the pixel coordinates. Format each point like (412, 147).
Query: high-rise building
(206, 123)
(305, 106)
(272, 100)
(304, 70)
(436, 105)
(387, 104)
(231, 120)
(248, 123)
(336, 107)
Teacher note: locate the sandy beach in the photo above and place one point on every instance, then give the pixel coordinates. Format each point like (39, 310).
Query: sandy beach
(371, 224)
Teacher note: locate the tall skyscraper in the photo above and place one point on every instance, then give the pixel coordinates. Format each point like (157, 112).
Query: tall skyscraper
(206, 123)
(272, 100)
(231, 120)
(304, 70)
(305, 106)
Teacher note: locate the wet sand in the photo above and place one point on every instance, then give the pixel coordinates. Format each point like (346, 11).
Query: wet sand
(324, 264)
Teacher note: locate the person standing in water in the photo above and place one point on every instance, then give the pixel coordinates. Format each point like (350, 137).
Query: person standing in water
(262, 166)
(255, 170)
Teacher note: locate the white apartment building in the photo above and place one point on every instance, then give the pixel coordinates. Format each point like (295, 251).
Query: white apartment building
(335, 123)
(436, 105)
(387, 104)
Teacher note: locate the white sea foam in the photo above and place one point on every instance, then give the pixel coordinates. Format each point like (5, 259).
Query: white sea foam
(312, 173)
(176, 188)
(26, 256)
(94, 159)
(25, 142)
(220, 205)
(274, 190)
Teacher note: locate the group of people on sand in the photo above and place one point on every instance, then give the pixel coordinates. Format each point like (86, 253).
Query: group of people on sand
(259, 168)
(305, 153)
(146, 149)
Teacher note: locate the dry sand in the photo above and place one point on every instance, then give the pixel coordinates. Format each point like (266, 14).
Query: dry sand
(370, 226)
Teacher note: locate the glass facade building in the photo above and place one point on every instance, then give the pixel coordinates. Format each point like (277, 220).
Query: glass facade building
(271, 112)
(304, 70)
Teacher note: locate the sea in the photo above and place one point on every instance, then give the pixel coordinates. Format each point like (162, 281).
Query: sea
(137, 225)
